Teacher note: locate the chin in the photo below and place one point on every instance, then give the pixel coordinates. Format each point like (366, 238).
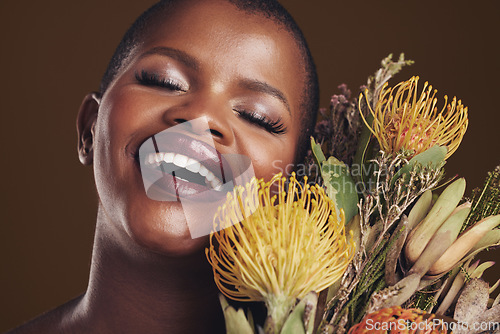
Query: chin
(168, 234)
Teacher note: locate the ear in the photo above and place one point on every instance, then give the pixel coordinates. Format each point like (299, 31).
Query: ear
(85, 124)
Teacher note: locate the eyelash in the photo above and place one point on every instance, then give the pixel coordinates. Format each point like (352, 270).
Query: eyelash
(153, 79)
(275, 127)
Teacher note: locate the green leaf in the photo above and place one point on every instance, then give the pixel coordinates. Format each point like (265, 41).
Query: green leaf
(301, 320)
(363, 150)
(317, 152)
(236, 321)
(340, 187)
(434, 156)
(490, 240)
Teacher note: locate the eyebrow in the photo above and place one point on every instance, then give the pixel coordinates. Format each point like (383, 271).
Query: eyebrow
(262, 87)
(176, 54)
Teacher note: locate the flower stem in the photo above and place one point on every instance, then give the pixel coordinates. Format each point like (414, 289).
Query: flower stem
(278, 309)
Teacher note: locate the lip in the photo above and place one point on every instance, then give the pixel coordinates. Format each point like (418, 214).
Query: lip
(164, 186)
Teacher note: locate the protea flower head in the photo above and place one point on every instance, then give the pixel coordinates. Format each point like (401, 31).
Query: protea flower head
(403, 119)
(292, 244)
(399, 320)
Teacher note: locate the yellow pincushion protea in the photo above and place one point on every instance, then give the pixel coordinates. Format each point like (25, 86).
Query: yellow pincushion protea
(399, 320)
(292, 244)
(402, 119)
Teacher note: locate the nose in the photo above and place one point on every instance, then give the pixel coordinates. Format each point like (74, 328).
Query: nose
(197, 111)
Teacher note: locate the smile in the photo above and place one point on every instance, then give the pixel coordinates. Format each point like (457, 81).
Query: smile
(175, 165)
(183, 168)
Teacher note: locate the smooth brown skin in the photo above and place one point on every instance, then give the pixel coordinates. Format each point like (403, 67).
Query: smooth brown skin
(147, 274)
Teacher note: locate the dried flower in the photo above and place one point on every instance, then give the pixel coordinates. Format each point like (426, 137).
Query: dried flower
(401, 119)
(292, 244)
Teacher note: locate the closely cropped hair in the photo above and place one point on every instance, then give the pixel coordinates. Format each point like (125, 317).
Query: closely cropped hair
(270, 9)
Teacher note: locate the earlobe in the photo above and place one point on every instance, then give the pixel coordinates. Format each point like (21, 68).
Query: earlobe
(85, 125)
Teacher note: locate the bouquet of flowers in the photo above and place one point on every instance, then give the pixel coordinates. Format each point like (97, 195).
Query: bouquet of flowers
(367, 246)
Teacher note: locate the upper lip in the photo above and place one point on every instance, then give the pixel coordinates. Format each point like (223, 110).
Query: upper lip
(175, 142)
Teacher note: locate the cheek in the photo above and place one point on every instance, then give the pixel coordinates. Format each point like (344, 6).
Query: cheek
(122, 115)
(115, 173)
(109, 142)
(270, 157)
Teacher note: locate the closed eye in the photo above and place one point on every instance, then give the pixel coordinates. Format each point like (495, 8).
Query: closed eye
(152, 79)
(275, 127)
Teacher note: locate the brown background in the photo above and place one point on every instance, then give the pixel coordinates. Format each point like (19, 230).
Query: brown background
(53, 52)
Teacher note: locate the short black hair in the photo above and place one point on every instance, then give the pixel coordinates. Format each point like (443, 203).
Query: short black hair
(270, 9)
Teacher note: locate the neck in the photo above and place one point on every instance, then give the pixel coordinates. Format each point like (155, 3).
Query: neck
(134, 290)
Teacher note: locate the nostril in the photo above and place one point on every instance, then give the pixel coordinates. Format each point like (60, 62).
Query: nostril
(215, 133)
(196, 127)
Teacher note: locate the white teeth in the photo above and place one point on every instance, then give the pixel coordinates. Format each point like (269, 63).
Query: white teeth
(193, 166)
(216, 184)
(203, 171)
(180, 160)
(180, 178)
(168, 157)
(190, 164)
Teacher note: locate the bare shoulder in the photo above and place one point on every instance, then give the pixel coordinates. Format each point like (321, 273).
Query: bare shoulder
(59, 320)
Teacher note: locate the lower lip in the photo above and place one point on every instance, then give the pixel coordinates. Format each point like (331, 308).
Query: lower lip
(170, 188)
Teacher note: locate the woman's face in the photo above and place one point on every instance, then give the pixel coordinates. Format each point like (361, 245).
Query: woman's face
(242, 72)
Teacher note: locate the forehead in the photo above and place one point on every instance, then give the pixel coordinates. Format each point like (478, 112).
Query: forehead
(234, 42)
